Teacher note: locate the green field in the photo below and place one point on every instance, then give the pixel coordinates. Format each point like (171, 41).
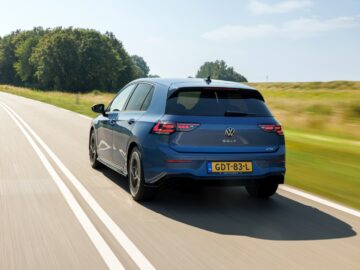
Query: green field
(322, 128)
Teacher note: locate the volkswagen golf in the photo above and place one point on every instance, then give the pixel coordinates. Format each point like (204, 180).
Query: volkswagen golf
(209, 131)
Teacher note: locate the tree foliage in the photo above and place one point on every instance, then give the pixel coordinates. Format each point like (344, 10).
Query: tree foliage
(69, 59)
(220, 71)
(141, 67)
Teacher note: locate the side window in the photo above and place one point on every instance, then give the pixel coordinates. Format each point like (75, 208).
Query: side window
(147, 100)
(119, 101)
(138, 97)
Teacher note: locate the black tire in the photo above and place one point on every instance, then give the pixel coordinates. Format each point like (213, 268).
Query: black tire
(138, 190)
(93, 152)
(262, 190)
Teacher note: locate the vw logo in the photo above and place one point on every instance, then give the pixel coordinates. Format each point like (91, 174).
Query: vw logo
(230, 132)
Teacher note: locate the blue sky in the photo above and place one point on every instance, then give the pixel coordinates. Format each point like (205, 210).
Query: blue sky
(286, 40)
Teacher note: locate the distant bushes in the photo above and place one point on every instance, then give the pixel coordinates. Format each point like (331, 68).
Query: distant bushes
(70, 59)
(220, 71)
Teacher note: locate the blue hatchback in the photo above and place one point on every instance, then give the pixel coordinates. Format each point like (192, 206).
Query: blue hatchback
(209, 131)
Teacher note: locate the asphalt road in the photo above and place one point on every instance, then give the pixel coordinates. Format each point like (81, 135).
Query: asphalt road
(62, 214)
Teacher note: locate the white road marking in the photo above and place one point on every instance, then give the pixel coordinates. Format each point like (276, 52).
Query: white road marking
(105, 251)
(321, 200)
(84, 116)
(135, 254)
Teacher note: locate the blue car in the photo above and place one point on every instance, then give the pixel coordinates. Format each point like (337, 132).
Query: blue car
(206, 130)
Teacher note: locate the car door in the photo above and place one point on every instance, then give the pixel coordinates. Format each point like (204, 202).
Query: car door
(127, 121)
(104, 138)
(106, 123)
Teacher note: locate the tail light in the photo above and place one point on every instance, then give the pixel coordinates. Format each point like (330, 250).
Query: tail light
(272, 128)
(164, 128)
(171, 127)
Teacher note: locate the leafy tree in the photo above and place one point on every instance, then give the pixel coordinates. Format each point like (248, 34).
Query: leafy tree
(99, 62)
(56, 60)
(128, 69)
(7, 59)
(220, 71)
(141, 66)
(65, 59)
(24, 69)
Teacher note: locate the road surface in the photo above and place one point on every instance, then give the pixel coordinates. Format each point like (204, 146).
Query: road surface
(56, 212)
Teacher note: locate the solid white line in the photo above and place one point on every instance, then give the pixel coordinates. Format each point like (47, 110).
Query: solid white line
(83, 116)
(135, 254)
(106, 253)
(321, 200)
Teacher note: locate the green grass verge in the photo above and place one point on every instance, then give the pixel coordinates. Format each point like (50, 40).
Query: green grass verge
(326, 163)
(78, 103)
(330, 169)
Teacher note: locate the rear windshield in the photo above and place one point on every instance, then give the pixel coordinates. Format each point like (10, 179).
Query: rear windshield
(217, 102)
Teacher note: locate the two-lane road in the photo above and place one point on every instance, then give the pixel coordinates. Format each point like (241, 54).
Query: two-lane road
(41, 227)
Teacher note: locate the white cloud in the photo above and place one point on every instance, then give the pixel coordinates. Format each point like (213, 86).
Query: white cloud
(311, 27)
(240, 32)
(304, 27)
(258, 7)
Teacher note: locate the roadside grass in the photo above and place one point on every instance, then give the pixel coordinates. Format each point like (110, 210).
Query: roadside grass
(331, 170)
(321, 122)
(331, 108)
(81, 104)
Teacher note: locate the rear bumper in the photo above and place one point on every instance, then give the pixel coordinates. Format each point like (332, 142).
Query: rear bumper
(158, 170)
(220, 181)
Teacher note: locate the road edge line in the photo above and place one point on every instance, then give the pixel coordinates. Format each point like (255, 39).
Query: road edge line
(320, 200)
(100, 244)
(136, 255)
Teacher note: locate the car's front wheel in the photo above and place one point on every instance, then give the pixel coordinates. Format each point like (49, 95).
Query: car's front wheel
(139, 191)
(93, 151)
(262, 190)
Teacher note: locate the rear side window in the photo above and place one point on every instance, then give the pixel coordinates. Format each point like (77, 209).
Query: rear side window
(147, 100)
(217, 102)
(139, 97)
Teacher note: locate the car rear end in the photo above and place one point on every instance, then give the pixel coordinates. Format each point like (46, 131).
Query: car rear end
(208, 133)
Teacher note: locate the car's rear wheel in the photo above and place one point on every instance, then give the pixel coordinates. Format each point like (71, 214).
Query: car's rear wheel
(93, 152)
(262, 190)
(139, 191)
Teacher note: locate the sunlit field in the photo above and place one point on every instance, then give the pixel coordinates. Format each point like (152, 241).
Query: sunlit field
(321, 122)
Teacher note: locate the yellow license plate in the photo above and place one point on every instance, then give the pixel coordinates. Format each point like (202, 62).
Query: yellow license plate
(230, 167)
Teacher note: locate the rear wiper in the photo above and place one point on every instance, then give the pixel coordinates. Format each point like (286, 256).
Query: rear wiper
(236, 113)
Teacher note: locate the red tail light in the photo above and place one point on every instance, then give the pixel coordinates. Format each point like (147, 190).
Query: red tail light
(164, 128)
(170, 127)
(272, 128)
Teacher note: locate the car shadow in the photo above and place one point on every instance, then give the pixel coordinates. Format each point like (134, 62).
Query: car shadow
(230, 211)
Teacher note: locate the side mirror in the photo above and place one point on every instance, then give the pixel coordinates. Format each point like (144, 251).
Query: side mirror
(98, 108)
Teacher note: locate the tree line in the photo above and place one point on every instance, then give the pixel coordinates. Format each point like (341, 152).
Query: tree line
(80, 60)
(70, 59)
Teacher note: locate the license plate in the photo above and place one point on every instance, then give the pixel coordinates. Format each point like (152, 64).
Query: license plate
(230, 167)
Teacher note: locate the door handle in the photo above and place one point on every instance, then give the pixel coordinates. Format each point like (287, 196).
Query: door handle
(112, 122)
(131, 121)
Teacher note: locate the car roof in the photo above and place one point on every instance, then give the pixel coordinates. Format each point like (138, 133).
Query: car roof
(175, 83)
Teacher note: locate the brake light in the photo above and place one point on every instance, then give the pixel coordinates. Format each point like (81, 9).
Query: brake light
(170, 127)
(164, 128)
(272, 128)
